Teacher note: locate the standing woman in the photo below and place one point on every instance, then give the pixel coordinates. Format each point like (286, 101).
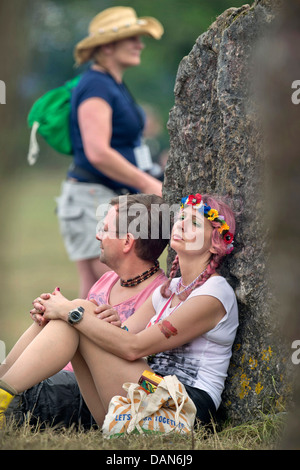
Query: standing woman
(106, 131)
(187, 328)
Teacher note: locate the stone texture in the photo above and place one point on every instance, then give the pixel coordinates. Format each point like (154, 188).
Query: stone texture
(216, 147)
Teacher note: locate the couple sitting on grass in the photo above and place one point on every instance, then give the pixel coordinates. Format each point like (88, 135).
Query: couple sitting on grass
(183, 326)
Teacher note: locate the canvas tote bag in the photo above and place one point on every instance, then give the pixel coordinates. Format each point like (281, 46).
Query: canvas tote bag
(168, 409)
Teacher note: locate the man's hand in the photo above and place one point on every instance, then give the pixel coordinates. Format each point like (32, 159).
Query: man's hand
(108, 313)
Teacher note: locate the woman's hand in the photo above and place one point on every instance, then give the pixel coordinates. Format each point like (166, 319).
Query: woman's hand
(38, 310)
(109, 314)
(55, 306)
(152, 185)
(39, 304)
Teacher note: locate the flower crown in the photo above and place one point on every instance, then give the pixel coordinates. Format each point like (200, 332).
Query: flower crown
(212, 215)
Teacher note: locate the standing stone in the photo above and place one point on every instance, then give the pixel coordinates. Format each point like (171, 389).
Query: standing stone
(216, 147)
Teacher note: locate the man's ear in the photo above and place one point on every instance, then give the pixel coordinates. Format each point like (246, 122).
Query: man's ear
(129, 243)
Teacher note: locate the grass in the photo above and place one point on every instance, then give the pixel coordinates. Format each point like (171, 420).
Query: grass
(34, 261)
(263, 434)
(32, 250)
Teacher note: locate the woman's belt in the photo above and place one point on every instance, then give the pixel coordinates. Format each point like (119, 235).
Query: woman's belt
(90, 177)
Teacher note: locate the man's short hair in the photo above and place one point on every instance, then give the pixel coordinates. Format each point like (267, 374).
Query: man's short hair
(154, 227)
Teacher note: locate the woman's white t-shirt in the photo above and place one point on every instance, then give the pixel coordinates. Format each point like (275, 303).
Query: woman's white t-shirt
(203, 362)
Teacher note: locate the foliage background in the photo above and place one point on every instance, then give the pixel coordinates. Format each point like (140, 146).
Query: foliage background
(37, 38)
(58, 25)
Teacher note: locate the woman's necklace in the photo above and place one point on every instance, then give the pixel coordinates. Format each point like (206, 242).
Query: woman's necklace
(180, 284)
(142, 277)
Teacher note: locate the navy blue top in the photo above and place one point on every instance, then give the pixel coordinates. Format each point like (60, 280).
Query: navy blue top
(128, 122)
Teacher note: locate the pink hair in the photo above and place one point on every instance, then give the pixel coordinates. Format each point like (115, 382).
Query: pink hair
(218, 243)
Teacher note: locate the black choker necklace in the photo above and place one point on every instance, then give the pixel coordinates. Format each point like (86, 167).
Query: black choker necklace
(142, 277)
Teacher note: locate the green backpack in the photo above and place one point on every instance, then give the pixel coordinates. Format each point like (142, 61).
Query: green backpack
(49, 116)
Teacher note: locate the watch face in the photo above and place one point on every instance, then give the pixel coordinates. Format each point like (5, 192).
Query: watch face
(76, 315)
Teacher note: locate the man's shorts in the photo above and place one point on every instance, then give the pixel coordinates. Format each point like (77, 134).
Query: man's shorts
(76, 210)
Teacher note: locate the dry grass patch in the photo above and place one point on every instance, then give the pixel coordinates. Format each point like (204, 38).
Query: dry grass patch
(263, 434)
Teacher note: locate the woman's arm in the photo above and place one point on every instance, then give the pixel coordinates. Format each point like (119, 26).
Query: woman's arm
(194, 318)
(140, 318)
(95, 118)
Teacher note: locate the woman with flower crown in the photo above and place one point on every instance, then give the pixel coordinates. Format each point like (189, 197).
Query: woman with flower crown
(186, 329)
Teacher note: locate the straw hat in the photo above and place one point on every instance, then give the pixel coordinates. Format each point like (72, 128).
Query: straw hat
(112, 25)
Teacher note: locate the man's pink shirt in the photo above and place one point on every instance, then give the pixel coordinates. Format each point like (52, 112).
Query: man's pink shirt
(100, 292)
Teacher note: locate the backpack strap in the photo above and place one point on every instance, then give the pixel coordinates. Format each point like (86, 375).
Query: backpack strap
(34, 148)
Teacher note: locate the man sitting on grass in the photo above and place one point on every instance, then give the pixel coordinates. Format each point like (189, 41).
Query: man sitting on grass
(117, 294)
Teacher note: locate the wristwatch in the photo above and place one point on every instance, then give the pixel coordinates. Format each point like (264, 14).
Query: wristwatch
(75, 315)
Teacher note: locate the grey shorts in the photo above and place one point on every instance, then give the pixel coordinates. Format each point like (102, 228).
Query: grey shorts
(76, 210)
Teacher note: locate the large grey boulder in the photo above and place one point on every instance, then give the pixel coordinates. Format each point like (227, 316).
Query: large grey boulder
(216, 147)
